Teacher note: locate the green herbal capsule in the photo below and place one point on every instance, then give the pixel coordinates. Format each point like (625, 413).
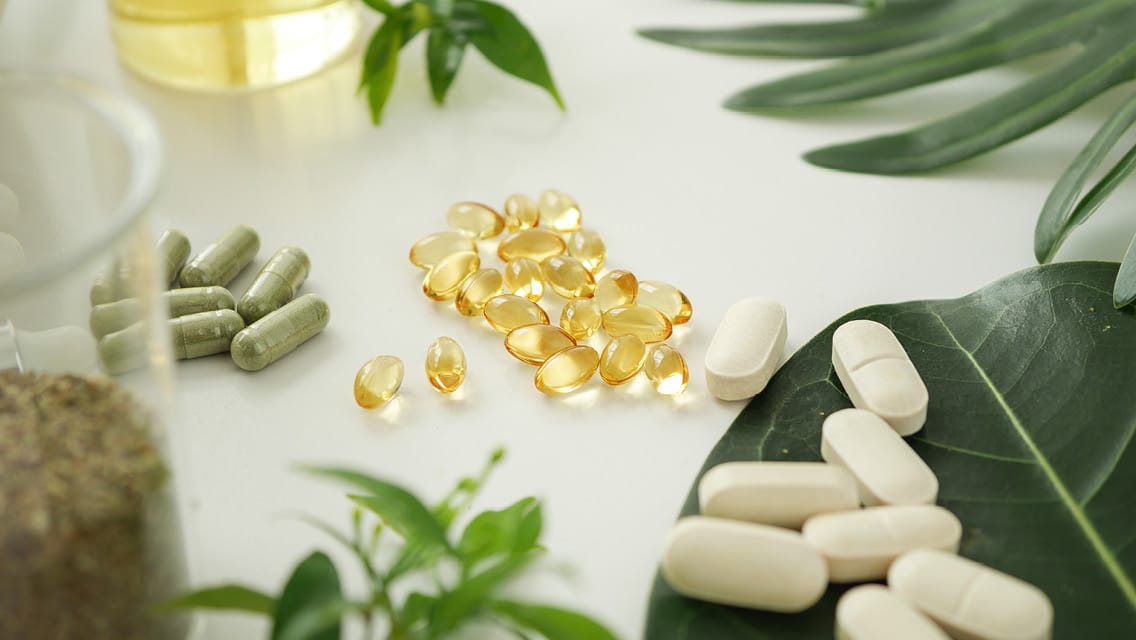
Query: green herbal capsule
(221, 261)
(171, 253)
(124, 350)
(115, 316)
(276, 284)
(204, 334)
(107, 286)
(280, 332)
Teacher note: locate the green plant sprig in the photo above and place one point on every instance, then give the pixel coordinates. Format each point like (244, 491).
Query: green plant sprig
(452, 25)
(493, 548)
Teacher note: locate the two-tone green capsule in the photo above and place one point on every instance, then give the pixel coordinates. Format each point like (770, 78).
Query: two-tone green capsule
(192, 336)
(115, 316)
(276, 284)
(221, 261)
(280, 332)
(114, 284)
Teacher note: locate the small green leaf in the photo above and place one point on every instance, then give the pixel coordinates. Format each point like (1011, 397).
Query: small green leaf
(311, 591)
(233, 597)
(382, 6)
(1124, 291)
(440, 8)
(468, 598)
(444, 53)
(416, 610)
(512, 530)
(509, 45)
(551, 622)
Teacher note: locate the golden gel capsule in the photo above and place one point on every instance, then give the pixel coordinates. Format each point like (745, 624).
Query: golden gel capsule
(621, 359)
(508, 311)
(521, 212)
(524, 277)
(567, 370)
(638, 320)
(616, 289)
(276, 283)
(221, 261)
(377, 381)
(445, 365)
(666, 369)
(535, 343)
(446, 277)
(581, 317)
(280, 332)
(477, 290)
(588, 247)
(559, 210)
(475, 219)
(568, 277)
(429, 250)
(666, 298)
(537, 244)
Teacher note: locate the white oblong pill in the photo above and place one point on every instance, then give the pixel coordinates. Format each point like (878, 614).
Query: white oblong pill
(872, 612)
(887, 469)
(971, 600)
(860, 545)
(743, 564)
(781, 494)
(878, 374)
(746, 348)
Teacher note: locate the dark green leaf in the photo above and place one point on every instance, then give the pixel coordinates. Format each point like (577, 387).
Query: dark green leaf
(382, 6)
(468, 598)
(310, 593)
(1103, 189)
(380, 63)
(1124, 293)
(509, 45)
(444, 54)
(440, 8)
(552, 623)
(232, 597)
(1030, 431)
(512, 530)
(416, 610)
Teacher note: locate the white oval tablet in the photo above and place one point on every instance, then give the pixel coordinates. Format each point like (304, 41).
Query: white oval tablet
(878, 375)
(971, 600)
(746, 349)
(871, 612)
(781, 494)
(860, 545)
(887, 469)
(743, 564)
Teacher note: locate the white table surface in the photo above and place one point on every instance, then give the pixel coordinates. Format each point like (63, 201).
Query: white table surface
(681, 190)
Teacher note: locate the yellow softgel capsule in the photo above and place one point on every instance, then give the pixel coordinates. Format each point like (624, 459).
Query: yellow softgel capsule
(567, 370)
(445, 278)
(537, 244)
(524, 277)
(509, 311)
(644, 322)
(666, 369)
(521, 212)
(377, 381)
(616, 289)
(535, 343)
(581, 317)
(559, 210)
(668, 299)
(445, 364)
(621, 359)
(568, 277)
(477, 290)
(475, 219)
(429, 250)
(588, 247)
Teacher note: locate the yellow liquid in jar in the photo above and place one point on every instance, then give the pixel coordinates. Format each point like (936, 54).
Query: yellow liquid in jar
(231, 44)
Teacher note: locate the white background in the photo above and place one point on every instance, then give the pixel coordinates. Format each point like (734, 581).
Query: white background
(715, 202)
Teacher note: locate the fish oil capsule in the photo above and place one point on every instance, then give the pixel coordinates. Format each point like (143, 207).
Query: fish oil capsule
(666, 369)
(878, 375)
(746, 349)
(672, 302)
(524, 277)
(887, 470)
(559, 210)
(872, 612)
(568, 277)
(970, 600)
(280, 332)
(115, 316)
(635, 319)
(567, 370)
(429, 250)
(445, 278)
(475, 219)
(378, 381)
(779, 494)
(588, 247)
(581, 318)
(221, 261)
(521, 212)
(509, 311)
(616, 289)
(477, 290)
(276, 283)
(860, 545)
(621, 359)
(171, 253)
(535, 343)
(204, 334)
(445, 365)
(743, 564)
(537, 244)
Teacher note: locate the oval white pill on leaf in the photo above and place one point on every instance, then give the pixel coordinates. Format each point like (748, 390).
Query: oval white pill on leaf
(878, 374)
(743, 564)
(886, 468)
(872, 612)
(781, 494)
(746, 349)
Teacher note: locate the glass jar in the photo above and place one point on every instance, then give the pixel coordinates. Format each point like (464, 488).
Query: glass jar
(90, 535)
